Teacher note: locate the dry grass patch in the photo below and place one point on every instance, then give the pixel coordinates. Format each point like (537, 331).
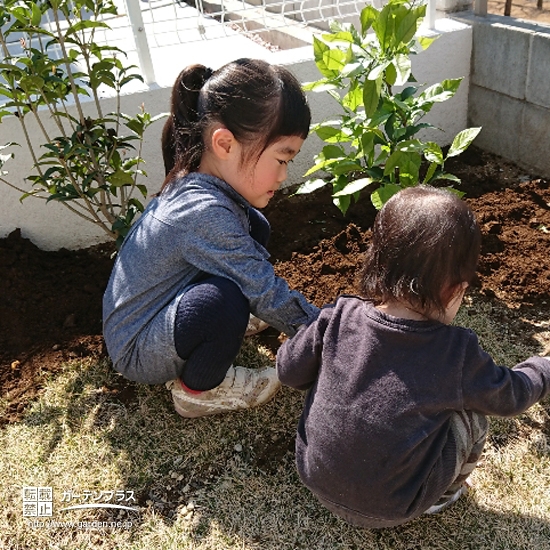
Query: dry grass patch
(229, 482)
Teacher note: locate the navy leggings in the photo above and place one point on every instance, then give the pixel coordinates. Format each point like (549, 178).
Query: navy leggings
(211, 320)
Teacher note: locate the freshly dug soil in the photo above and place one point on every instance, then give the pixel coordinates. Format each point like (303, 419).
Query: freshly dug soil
(50, 302)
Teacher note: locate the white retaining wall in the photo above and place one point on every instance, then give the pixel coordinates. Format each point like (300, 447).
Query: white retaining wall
(51, 226)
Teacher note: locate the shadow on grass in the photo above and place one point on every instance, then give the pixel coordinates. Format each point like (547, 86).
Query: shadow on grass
(222, 490)
(229, 481)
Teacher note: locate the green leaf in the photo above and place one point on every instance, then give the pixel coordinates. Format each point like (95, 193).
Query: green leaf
(354, 98)
(391, 74)
(383, 194)
(310, 186)
(342, 36)
(332, 152)
(413, 129)
(335, 60)
(402, 64)
(120, 178)
(321, 85)
(323, 164)
(378, 70)
(369, 15)
(446, 176)
(36, 15)
(329, 155)
(86, 25)
(384, 26)
(408, 165)
(440, 92)
(389, 127)
(411, 146)
(406, 29)
(32, 84)
(407, 93)
(425, 41)
(353, 187)
(455, 191)
(430, 172)
(319, 50)
(345, 166)
(371, 95)
(433, 153)
(342, 203)
(137, 205)
(333, 135)
(462, 141)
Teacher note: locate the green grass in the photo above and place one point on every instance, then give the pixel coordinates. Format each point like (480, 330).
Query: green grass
(229, 482)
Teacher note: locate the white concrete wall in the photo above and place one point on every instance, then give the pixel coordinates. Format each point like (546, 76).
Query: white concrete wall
(51, 226)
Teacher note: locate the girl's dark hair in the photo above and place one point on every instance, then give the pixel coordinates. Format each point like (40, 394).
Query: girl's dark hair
(425, 241)
(258, 102)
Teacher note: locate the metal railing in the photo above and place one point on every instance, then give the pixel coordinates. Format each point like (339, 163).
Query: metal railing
(145, 24)
(160, 22)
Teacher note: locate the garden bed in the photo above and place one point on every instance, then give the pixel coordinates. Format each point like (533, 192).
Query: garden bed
(50, 302)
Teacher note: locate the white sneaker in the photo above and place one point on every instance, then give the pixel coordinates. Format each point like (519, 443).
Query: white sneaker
(242, 388)
(444, 503)
(255, 325)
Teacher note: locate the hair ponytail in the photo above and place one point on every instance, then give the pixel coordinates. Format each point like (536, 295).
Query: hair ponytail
(181, 135)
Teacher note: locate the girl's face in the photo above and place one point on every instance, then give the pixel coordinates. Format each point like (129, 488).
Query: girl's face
(256, 180)
(258, 183)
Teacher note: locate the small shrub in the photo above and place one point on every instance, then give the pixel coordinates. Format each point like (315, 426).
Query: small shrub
(91, 163)
(373, 142)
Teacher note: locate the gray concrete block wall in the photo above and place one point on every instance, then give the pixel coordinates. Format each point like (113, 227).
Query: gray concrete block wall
(534, 140)
(500, 58)
(538, 81)
(500, 117)
(510, 90)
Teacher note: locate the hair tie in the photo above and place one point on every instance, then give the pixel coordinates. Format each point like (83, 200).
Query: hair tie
(208, 73)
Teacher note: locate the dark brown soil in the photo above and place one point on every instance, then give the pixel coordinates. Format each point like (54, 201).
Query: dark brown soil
(50, 302)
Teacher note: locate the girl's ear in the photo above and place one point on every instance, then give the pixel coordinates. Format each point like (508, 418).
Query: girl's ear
(223, 142)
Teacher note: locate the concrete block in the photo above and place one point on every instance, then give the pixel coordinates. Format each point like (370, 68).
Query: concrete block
(534, 142)
(538, 89)
(501, 58)
(501, 120)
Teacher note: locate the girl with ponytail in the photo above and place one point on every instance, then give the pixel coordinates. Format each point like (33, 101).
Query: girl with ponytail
(194, 270)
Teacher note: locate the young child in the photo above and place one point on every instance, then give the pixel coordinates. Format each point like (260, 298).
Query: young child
(194, 266)
(395, 415)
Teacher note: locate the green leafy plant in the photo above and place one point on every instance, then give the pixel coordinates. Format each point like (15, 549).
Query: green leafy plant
(90, 162)
(373, 142)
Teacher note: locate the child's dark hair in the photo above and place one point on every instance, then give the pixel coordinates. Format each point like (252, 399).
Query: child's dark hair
(258, 102)
(425, 241)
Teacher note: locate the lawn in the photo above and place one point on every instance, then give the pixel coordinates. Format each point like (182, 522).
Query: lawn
(229, 482)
